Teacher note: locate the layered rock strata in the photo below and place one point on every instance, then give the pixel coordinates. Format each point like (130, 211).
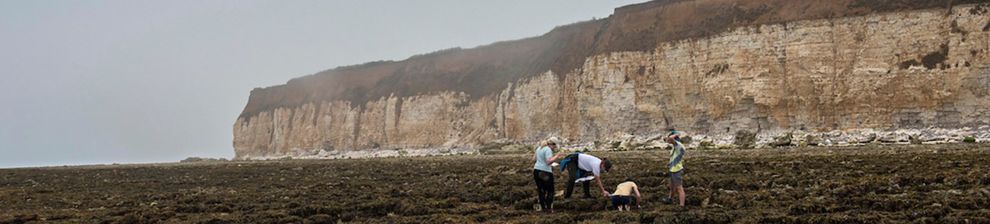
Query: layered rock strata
(842, 75)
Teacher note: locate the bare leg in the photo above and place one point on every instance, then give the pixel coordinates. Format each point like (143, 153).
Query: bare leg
(680, 190)
(672, 192)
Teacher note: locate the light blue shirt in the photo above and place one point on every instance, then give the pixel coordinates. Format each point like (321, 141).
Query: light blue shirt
(542, 155)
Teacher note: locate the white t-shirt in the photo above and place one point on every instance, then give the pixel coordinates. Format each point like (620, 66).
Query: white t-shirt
(590, 163)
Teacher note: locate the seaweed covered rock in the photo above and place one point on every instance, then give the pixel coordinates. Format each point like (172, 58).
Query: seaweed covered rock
(783, 140)
(745, 139)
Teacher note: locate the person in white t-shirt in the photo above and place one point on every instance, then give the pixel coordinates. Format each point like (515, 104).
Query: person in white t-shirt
(583, 167)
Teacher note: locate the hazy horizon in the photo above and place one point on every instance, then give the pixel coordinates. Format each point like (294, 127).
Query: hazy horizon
(100, 82)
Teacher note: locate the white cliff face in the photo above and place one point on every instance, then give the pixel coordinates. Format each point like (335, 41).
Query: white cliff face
(923, 73)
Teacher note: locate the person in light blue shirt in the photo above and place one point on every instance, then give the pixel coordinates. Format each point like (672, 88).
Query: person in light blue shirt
(543, 173)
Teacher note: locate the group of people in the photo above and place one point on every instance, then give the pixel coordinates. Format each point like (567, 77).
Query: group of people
(583, 168)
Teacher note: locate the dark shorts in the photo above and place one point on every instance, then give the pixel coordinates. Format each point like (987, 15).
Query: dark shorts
(621, 200)
(676, 178)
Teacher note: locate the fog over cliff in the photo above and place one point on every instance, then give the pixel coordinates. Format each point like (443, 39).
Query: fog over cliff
(146, 81)
(775, 72)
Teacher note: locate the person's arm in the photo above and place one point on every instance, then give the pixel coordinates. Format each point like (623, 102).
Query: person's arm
(639, 200)
(551, 159)
(598, 179)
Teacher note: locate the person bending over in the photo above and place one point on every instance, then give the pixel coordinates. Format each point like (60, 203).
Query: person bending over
(622, 198)
(583, 168)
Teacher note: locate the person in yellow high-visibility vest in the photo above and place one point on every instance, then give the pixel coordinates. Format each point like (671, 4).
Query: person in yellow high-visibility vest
(675, 167)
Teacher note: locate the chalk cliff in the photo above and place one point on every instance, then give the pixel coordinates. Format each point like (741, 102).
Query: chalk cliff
(838, 70)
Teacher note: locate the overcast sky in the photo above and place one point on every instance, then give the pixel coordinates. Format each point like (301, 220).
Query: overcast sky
(131, 81)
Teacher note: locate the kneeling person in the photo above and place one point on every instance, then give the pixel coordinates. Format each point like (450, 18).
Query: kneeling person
(622, 198)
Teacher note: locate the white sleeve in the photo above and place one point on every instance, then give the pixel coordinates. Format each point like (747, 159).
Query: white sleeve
(597, 170)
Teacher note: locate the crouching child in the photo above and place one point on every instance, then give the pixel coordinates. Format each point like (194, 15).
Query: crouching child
(622, 198)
